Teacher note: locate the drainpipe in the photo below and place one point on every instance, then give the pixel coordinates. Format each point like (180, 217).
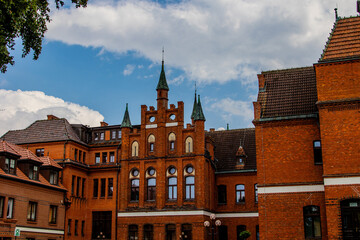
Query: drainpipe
(117, 188)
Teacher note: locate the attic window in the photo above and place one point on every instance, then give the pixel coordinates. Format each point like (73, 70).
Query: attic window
(34, 172)
(54, 175)
(40, 152)
(10, 166)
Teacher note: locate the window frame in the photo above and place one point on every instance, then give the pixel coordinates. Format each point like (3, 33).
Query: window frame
(53, 214)
(54, 177)
(110, 187)
(31, 212)
(189, 188)
(151, 189)
(33, 172)
(102, 187)
(309, 213)
(134, 190)
(222, 194)
(240, 193)
(172, 189)
(10, 208)
(40, 152)
(2, 206)
(95, 188)
(97, 158)
(10, 166)
(317, 152)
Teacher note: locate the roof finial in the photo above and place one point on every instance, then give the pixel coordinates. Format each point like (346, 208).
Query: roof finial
(163, 56)
(336, 14)
(358, 6)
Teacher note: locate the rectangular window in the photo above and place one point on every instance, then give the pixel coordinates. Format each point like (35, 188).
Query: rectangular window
(221, 194)
(54, 176)
(101, 225)
(97, 158)
(317, 152)
(240, 193)
(52, 214)
(110, 187)
(76, 155)
(73, 186)
(83, 188)
(96, 136)
(256, 192)
(84, 155)
(80, 155)
(31, 214)
(2, 202)
(102, 136)
(34, 172)
(78, 186)
(172, 188)
(312, 223)
(134, 196)
(76, 227)
(190, 188)
(119, 134)
(69, 227)
(113, 135)
(10, 166)
(40, 152)
(112, 157)
(104, 157)
(102, 186)
(10, 208)
(82, 228)
(96, 188)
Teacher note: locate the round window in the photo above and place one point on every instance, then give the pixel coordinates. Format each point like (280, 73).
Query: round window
(151, 171)
(172, 170)
(189, 169)
(135, 172)
(172, 117)
(152, 119)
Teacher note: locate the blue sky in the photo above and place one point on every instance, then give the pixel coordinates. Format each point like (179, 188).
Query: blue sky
(97, 59)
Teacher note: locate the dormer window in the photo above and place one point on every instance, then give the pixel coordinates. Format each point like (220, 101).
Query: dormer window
(102, 136)
(96, 136)
(40, 152)
(34, 172)
(240, 157)
(54, 176)
(10, 166)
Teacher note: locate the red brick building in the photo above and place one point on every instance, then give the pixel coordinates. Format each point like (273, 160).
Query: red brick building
(307, 124)
(31, 197)
(164, 178)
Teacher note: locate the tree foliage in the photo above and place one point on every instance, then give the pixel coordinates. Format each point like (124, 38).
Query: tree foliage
(25, 19)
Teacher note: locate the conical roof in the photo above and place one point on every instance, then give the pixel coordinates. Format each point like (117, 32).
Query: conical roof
(162, 84)
(199, 114)
(194, 107)
(126, 121)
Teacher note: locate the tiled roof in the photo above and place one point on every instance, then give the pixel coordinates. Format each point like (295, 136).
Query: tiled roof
(43, 131)
(24, 154)
(344, 40)
(288, 92)
(227, 143)
(47, 161)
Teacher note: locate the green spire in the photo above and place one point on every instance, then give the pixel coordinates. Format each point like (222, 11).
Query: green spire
(162, 84)
(194, 107)
(126, 121)
(199, 114)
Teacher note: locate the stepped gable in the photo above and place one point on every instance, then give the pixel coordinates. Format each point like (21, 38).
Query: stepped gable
(43, 131)
(227, 143)
(288, 92)
(344, 40)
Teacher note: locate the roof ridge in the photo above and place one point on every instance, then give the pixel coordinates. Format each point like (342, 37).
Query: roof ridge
(286, 69)
(329, 38)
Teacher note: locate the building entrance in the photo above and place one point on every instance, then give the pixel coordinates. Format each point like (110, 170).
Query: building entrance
(350, 217)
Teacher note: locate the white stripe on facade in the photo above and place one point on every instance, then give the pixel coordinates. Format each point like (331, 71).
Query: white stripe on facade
(173, 124)
(151, 126)
(291, 189)
(185, 213)
(40, 230)
(341, 181)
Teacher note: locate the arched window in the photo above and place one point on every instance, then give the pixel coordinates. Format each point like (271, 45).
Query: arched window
(172, 183)
(312, 224)
(133, 232)
(148, 232)
(135, 149)
(172, 138)
(240, 193)
(189, 145)
(151, 142)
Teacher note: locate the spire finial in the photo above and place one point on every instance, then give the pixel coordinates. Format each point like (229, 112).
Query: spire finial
(163, 56)
(126, 121)
(336, 14)
(162, 84)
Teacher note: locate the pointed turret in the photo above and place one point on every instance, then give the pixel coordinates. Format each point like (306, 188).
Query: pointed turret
(126, 121)
(199, 114)
(194, 107)
(162, 89)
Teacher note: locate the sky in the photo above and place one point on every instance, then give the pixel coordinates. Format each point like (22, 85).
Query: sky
(96, 59)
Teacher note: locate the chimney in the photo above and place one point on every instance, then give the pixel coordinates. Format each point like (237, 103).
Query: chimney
(52, 117)
(104, 124)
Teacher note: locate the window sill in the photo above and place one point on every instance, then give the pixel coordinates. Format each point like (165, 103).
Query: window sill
(31, 222)
(53, 224)
(222, 204)
(240, 203)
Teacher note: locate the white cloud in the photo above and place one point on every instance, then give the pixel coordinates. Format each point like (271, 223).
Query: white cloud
(21, 108)
(229, 109)
(129, 69)
(212, 40)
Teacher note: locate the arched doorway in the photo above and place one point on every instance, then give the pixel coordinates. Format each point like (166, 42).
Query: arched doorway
(350, 217)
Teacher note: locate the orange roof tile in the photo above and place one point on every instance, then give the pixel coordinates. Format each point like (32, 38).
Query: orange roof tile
(24, 154)
(48, 161)
(344, 40)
